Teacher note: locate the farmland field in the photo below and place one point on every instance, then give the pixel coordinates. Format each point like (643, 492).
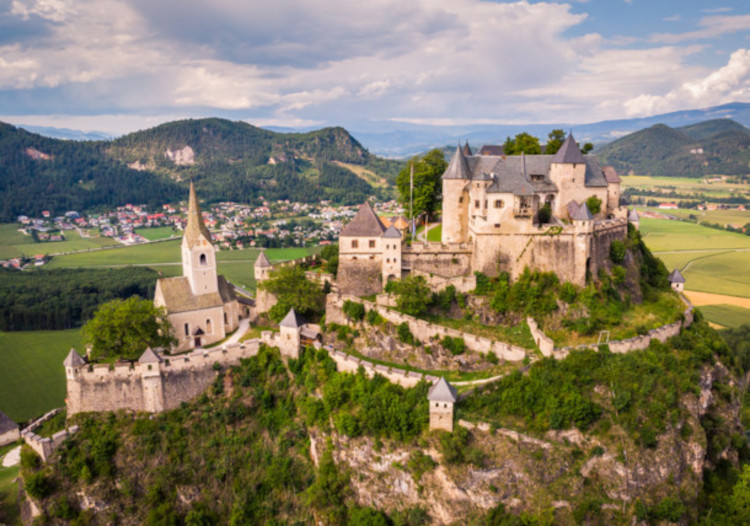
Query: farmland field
(683, 185)
(15, 244)
(164, 257)
(161, 232)
(32, 378)
(712, 261)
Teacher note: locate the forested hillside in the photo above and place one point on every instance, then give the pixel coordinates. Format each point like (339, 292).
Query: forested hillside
(227, 160)
(719, 146)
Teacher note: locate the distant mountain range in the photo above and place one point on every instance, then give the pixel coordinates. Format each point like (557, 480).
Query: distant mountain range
(719, 146)
(399, 139)
(227, 160)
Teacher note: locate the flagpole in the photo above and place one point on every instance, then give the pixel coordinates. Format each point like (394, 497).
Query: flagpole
(411, 201)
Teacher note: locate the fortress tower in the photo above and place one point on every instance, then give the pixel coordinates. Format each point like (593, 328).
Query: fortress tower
(262, 270)
(442, 396)
(456, 199)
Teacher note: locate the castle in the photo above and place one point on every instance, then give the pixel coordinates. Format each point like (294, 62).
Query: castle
(200, 304)
(499, 214)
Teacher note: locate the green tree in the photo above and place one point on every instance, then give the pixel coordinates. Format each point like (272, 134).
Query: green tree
(522, 143)
(740, 499)
(124, 328)
(594, 204)
(293, 290)
(555, 140)
(587, 147)
(428, 190)
(412, 295)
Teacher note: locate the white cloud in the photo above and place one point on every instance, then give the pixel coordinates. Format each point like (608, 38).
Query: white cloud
(711, 27)
(727, 84)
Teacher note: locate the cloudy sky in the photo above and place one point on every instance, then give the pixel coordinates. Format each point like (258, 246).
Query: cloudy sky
(118, 66)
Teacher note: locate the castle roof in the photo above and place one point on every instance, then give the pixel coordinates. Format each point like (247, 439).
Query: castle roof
(610, 174)
(633, 216)
(196, 229)
(6, 424)
(365, 224)
(467, 150)
(392, 233)
(149, 356)
(179, 297)
(569, 153)
(675, 277)
(492, 149)
(73, 359)
(292, 320)
(514, 173)
(400, 222)
(582, 214)
(458, 167)
(262, 261)
(442, 391)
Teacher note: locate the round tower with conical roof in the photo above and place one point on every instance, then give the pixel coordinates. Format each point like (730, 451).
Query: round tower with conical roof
(456, 199)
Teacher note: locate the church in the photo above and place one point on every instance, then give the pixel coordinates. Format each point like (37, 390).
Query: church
(201, 305)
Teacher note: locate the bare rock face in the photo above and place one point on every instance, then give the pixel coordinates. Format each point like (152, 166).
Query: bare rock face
(141, 167)
(37, 155)
(183, 157)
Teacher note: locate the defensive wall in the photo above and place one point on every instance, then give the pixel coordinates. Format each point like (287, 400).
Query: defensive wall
(351, 364)
(152, 387)
(463, 284)
(44, 446)
(424, 330)
(443, 259)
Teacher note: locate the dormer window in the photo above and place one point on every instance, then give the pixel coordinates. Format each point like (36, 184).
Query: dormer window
(537, 177)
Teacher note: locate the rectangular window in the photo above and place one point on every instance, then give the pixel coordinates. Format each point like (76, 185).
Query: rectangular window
(485, 203)
(537, 177)
(476, 203)
(460, 200)
(499, 203)
(355, 243)
(372, 243)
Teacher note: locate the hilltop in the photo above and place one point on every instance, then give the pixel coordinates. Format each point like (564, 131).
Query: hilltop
(227, 160)
(719, 146)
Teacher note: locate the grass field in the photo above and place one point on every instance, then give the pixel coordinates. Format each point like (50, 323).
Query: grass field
(663, 235)
(160, 232)
(164, 257)
(15, 244)
(683, 184)
(9, 510)
(730, 316)
(32, 378)
(435, 233)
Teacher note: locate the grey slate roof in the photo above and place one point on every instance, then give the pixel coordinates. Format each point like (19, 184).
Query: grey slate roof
(582, 214)
(507, 172)
(365, 224)
(458, 167)
(292, 320)
(569, 152)
(442, 391)
(491, 149)
(392, 233)
(675, 277)
(149, 356)
(610, 174)
(467, 150)
(6, 424)
(73, 359)
(262, 261)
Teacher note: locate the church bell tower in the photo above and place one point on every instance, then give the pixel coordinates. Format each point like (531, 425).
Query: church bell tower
(198, 255)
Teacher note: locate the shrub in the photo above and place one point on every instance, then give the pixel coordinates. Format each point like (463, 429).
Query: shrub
(456, 346)
(413, 295)
(594, 204)
(544, 214)
(354, 311)
(617, 251)
(38, 485)
(669, 508)
(419, 464)
(404, 334)
(29, 458)
(373, 317)
(367, 517)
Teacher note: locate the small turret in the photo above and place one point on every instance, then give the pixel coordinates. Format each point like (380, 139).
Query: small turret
(72, 362)
(442, 396)
(290, 328)
(569, 153)
(634, 219)
(676, 280)
(262, 267)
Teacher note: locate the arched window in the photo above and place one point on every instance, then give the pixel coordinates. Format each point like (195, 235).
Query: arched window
(203, 259)
(208, 326)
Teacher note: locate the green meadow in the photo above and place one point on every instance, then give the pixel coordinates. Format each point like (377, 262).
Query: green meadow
(32, 378)
(159, 232)
(15, 244)
(664, 235)
(730, 316)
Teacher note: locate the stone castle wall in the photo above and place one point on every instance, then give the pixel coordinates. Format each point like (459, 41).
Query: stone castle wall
(360, 276)
(44, 446)
(423, 330)
(442, 259)
(350, 364)
(150, 387)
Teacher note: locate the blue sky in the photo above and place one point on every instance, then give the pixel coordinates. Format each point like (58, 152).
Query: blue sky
(118, 66)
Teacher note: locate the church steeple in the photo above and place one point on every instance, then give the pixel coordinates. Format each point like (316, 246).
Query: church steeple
(196, 230)
(198, 256)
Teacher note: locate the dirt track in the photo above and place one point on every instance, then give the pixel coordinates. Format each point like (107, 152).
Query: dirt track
(706, 298)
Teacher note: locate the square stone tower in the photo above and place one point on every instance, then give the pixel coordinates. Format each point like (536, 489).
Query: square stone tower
(291, 340)
(442, 396)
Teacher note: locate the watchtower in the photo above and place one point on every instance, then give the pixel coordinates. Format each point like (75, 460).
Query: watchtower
(291, 327)
(676, 281)
(442, 396)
